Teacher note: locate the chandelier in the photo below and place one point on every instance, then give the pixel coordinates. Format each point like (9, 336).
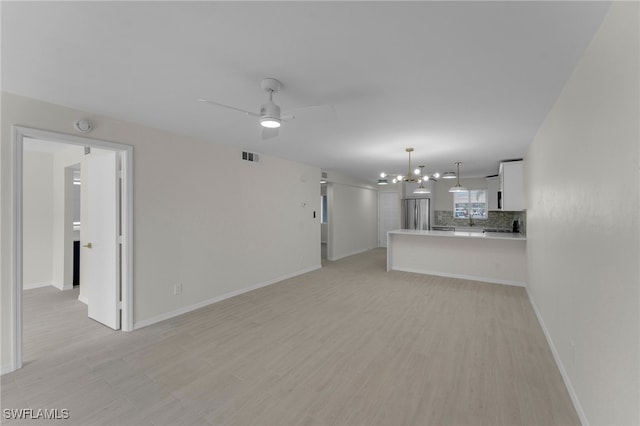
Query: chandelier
(416, 176)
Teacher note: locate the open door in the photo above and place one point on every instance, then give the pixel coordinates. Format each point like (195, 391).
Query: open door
(100, 247)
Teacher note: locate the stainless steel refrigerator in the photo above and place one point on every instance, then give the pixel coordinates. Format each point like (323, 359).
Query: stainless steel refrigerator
(415, 213)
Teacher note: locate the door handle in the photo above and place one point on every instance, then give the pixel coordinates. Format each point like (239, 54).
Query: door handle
(88, 245)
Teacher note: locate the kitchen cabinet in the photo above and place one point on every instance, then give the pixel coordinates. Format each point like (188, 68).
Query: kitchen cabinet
(511, 177)
(493, 186)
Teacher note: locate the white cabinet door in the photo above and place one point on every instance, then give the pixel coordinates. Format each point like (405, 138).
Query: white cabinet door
(493, 186)
(512, 182)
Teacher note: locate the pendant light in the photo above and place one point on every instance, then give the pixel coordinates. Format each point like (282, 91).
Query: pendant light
(421, 189)
(457, 187)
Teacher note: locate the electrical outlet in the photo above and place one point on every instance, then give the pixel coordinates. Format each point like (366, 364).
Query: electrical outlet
(177, 289)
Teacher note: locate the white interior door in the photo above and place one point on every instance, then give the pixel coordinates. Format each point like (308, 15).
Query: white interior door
(100, 247)
(388, 215)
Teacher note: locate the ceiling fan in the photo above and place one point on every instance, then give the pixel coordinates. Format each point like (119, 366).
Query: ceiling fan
(270, 115)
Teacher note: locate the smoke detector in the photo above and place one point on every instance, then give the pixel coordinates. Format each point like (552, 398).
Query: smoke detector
(83, 126)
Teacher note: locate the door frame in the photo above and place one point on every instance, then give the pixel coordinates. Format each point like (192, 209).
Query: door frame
(126, 153)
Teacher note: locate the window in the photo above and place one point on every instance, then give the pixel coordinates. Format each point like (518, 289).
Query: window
(323, 209)
(472, 202)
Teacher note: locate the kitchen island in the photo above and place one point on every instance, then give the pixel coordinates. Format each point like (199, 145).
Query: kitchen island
(490, 257)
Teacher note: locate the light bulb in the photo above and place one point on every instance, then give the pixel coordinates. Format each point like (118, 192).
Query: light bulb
(383, 175)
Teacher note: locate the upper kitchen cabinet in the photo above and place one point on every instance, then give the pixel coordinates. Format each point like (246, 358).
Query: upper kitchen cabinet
(493, 186)
(511, 179)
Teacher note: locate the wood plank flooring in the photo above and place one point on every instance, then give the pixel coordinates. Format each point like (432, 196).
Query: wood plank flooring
(350, 344)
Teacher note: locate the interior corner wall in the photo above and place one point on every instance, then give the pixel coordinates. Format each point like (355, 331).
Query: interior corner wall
(63, 215)
(191, 225)
(37, 207)
(583, 234)
(353, 217)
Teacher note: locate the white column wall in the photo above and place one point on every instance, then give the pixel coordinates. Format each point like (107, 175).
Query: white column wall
(582, 184)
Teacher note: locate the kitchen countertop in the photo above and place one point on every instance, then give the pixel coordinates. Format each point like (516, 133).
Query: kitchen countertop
(462, 234)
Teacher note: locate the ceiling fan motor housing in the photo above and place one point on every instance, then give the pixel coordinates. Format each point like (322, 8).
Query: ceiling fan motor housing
(270, 115)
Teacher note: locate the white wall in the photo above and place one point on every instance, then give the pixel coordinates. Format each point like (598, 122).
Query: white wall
(582, 225)
(353, 216)
(192, 225)
(38, 219)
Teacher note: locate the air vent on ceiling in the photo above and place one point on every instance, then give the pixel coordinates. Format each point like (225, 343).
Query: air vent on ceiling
(250, 156)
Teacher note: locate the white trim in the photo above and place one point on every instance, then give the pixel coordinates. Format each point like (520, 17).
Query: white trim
(126, 152)
(6, 368)
(353, 253)
(16, 251)
(37, 285)
(202, 304)
(83, 299)
(126, 239)
(61, 287)
(463, 277)
(556, 357)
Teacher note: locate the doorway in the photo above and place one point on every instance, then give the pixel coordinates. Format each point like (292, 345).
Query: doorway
(118, 154)
(324, 218)
(388, 215)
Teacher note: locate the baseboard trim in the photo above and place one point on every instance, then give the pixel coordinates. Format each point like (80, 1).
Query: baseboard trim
(6, 368)
(464, 277)
(37, 285)
(83, 299)
(352, 253)
(162, 317)
(556, 357)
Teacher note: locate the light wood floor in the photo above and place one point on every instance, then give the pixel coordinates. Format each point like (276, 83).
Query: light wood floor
(350, 344)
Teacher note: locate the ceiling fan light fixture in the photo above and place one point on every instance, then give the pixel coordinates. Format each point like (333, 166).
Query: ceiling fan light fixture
(270, 122)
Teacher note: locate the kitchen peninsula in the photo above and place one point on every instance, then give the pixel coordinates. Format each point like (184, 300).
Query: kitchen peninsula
(481, 256)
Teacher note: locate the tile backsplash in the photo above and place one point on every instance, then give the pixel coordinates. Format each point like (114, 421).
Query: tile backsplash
(497, 219)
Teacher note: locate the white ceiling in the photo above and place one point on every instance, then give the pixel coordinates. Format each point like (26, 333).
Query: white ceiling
(457, 81)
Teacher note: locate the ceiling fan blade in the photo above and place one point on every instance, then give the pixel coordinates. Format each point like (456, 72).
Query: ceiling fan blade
(268, 133)
(229, 107)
